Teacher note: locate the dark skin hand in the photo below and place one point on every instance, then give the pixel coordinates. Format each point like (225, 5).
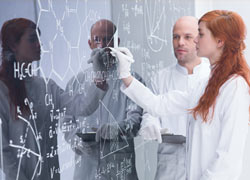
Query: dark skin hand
(101, 84)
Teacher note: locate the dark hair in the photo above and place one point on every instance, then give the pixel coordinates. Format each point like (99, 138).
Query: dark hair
(11, 33)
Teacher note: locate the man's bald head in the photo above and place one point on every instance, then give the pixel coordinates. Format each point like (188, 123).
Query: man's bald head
(102, 34)
(189, 21)
(104, 23)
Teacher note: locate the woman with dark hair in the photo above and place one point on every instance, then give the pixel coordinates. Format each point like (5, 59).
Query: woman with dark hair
(218, 108)
(30, 107)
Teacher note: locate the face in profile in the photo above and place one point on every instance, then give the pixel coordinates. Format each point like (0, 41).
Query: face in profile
(205, 42)
(28, 48)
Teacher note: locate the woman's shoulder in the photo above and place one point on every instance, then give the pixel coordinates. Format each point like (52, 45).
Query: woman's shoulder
(235, 82)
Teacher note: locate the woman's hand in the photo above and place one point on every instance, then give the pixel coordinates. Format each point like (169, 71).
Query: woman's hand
(125, 59)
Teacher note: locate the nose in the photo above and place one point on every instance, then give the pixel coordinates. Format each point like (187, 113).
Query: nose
(196, 40)
(181, 41)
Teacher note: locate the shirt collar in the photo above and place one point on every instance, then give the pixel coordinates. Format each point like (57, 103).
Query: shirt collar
(184, 70)
(181, 69)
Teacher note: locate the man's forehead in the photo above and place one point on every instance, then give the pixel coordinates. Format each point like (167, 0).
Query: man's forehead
(103, 27)
(103, 33)
(184, 33)
(186, 25)
(185, 30)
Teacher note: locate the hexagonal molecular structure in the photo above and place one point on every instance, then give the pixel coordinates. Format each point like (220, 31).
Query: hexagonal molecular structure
(47, 34)
(61, 53)
(69, 21)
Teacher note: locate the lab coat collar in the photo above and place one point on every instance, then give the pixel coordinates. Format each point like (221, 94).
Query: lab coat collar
(181, 69)
(198, 67)
(184, 70)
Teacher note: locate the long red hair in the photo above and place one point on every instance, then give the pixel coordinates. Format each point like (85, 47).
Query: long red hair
(227, 26)
(11, 33)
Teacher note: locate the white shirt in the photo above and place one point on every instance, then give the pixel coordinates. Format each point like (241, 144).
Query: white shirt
(215, 149)
(176, 77)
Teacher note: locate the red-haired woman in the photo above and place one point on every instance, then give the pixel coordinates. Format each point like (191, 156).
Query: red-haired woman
(218, 108)
(30, 108)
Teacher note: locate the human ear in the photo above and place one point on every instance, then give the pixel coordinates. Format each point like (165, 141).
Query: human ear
(89, 42)
(220, 43)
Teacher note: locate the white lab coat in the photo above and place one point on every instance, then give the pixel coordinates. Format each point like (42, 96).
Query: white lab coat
(176, 77)
(171, 156)
(215, 149)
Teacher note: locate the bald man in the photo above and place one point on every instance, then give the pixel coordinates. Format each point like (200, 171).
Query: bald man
(102, 33)
(110, 154)
(183, 75)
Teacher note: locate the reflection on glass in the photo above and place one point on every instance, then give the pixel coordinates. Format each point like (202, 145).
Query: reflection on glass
(107, 153)
(31, 107)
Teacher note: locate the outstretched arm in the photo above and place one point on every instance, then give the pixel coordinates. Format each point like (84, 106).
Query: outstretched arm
(174, 102)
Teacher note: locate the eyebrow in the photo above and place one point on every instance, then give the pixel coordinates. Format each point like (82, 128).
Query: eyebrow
(186, 34)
